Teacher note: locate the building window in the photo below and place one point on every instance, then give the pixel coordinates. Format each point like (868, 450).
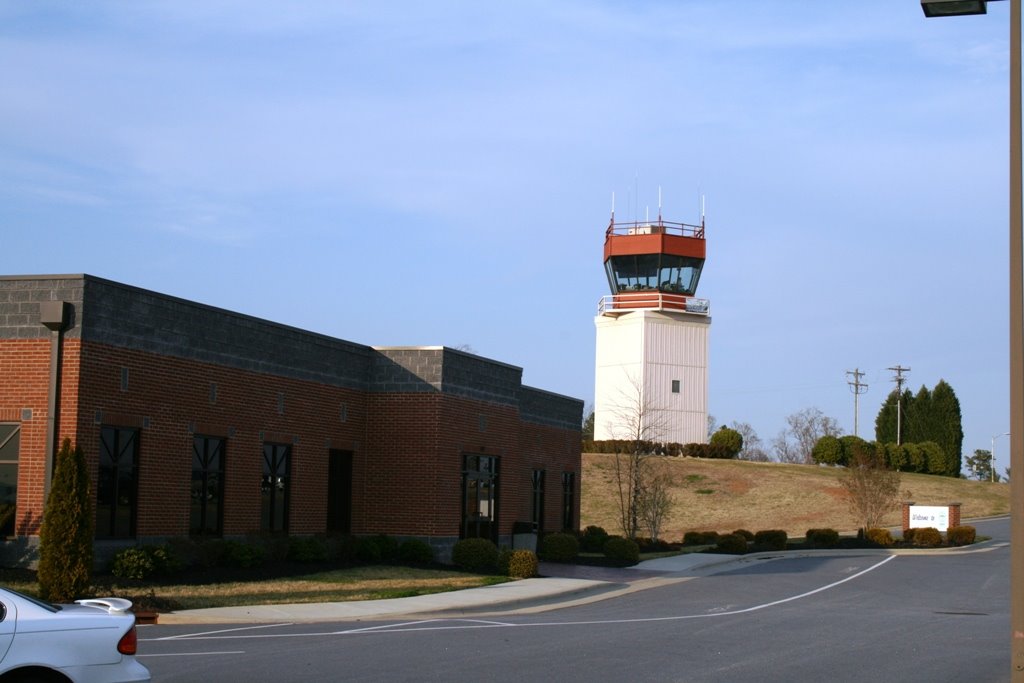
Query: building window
(9, 445)
(480, 497)
(117, 488)
(207, 486)
(537, 514)
(675, 386)
(275, 486)
(568, 498)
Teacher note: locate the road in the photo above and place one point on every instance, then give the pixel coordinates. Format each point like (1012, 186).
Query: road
(868, 618)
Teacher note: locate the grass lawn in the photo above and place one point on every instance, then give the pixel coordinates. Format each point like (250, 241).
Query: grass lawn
(267, 586)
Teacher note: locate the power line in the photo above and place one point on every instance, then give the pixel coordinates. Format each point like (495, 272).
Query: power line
(856, 386)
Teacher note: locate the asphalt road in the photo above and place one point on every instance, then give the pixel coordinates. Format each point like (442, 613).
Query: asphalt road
(868, 618)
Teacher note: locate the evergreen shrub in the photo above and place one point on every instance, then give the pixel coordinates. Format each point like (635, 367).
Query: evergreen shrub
(961, 535)
(66, 535)
(771, 539)
(621, 551)
(879, 537)
(308, 549)
(415, 551)
(592, 539)
(732, 544)
(475, 554)
(749, 535)
(559, 547)
(927, 537)
(822, 538)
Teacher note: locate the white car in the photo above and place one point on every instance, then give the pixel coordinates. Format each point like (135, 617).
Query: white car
(89, 641)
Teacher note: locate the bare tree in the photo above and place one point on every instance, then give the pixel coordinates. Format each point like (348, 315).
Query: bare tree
(640, 423)
(872, 489)
(655, 503)
(753, 447)
(803, 429)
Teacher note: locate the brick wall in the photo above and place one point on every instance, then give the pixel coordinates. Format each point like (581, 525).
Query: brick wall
(174, 368)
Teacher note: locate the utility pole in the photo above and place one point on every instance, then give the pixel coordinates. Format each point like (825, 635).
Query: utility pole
(899, 370)
(856, 386)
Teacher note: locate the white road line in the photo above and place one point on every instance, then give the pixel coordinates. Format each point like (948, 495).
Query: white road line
(184, 636)
(452, 624)
(196, 654)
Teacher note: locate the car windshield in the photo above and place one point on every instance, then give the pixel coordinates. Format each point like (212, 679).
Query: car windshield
(35, 601)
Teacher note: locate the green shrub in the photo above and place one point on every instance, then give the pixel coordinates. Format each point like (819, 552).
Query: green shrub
(700, 538)
(879, 537)
(522, 564)
(908, 536)
(961, 535)
(621, 551)
(239, 554)
(822, 538)
(475, 554)
(133, 563)
(592, 539)
(733, 544)
(415, 551)
(504, 557)
(927, 537)
(367, 550)
(307, 549)
(749, 535)
(66, 534)
(388, 547)
(165, 559)
(828, 450)
(559, 547)
(729, 439)
(771, 539)
(693, 538)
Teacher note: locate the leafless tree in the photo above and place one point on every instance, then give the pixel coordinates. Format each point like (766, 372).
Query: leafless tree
(639, 422)
(753, 448)
(655, 502)
(872, 489)
(803, 429)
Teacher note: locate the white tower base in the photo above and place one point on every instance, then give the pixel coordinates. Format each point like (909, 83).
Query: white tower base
(652, 376)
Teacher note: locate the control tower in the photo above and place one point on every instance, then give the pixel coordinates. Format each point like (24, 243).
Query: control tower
(652, 335)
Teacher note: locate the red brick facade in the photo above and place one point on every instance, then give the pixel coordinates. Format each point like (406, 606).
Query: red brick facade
(173, 369)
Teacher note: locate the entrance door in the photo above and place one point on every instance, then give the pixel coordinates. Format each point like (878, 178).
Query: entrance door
(339, 492)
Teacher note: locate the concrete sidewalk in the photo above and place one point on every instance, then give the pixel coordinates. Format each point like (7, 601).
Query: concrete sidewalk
(562, 584)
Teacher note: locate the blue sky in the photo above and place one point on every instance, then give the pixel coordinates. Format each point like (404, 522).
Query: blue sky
(441, 173)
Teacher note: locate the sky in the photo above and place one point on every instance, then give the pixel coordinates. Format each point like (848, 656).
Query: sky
(409, 173)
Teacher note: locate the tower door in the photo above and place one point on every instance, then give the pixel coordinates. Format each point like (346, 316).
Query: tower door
(339, 492)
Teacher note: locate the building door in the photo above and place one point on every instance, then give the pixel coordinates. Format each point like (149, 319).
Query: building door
(480, 497)
(339, 492)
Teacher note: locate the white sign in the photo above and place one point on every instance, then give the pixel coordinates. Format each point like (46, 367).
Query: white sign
(929, 515)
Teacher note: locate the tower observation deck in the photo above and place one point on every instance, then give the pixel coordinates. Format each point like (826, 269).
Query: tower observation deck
(653, 265)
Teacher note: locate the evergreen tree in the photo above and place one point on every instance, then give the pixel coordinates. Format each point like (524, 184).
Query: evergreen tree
(66, 535)
(885, 423)
(949, 433)
(917, 417)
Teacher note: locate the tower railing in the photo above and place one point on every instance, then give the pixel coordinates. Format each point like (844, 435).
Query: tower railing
(613, 304)
(655, 227)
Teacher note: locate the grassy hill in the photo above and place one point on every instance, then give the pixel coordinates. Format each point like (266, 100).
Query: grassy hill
(724, 495)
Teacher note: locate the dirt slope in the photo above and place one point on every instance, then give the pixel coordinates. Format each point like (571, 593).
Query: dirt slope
(723, 495)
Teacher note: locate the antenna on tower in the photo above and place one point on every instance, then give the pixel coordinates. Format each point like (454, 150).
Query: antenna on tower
(613, 206)
(659, 204)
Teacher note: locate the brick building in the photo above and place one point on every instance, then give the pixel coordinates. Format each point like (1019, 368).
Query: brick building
(200, 421)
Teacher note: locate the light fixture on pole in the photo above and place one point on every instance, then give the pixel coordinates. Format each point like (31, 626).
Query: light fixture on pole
(939, 8)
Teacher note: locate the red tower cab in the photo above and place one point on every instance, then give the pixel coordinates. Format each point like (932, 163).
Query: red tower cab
(653, 265)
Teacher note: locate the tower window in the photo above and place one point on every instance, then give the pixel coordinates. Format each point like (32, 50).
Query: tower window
(675, 386)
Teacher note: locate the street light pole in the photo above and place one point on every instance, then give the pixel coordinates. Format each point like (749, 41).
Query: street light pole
(949, 8)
